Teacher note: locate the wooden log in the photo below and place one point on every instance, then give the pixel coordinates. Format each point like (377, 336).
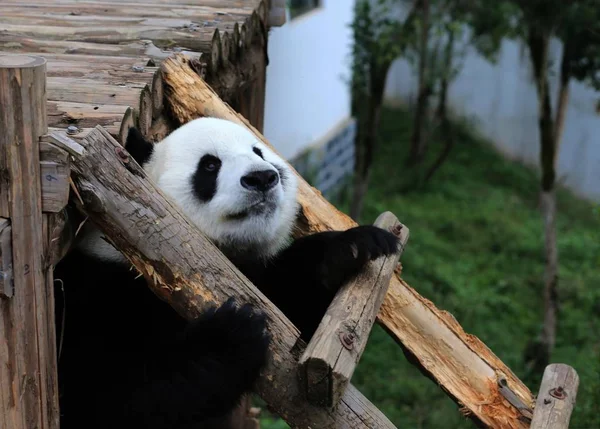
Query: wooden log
(54, 174)
(186, 270)
(157, 95)
(28, 385)
(327, 364)
(216, 56)
(226, 49)
(145, 110)
(129, 121)
(556, 398)
(465, 367)
(6, 263)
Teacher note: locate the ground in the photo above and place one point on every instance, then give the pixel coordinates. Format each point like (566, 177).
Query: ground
(476, 250)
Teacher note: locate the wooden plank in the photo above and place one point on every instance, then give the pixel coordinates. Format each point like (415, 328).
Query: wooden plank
(54, 174)
(62, 114)
(465, 367)
(6, 261)
(27, 371)
(186, 270)
(327, 364)
(556, 398)
(93, 92)
(114, 33)
(137, 49)
(249, 5)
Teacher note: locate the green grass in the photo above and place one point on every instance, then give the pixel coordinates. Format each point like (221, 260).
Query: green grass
(476, 250)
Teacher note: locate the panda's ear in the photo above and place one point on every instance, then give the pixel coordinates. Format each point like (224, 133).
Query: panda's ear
(138, 147)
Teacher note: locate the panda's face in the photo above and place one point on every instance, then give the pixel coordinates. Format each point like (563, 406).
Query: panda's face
(234, 188)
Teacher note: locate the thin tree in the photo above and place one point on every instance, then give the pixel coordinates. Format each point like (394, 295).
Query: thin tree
(378, 41)
(576, 23)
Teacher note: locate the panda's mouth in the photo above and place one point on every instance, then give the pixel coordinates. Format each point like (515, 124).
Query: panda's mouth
(258, 208)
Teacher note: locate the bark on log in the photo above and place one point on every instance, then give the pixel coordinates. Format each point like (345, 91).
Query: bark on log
(459, 362)
(327, 364)
(186, 270)
(556, 398)
(28, 384)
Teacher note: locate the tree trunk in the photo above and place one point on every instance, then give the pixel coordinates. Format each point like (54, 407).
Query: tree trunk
(366, 139)
(418, 144)
(442, 111)
(538, 47)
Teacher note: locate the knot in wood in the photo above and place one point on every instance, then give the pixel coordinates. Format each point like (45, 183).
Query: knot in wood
(397, 230)
(122, 155)
(347, 339)
(558, 393)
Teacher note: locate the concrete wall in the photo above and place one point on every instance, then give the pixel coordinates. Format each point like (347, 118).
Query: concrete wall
(501, 99)
(307, 94)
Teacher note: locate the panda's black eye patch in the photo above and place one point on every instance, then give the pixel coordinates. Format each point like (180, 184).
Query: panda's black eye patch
(258, 152)
(204, 179)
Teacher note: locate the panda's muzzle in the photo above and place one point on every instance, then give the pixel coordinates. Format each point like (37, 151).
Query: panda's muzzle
(260, 181)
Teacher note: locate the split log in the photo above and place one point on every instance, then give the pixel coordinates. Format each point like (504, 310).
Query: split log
(186, 270)
(28, 383)
(459, 362)
(556, 398)
(327, 364)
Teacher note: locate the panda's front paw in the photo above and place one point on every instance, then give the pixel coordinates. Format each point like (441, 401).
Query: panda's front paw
(368, 243)
(349, 252)
(235, 336)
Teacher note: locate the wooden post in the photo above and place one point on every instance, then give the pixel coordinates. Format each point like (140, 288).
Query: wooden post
(332, 354)
(556, 398)
(28, 388)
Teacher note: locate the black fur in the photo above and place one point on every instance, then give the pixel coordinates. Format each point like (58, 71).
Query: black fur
(129, 361)
(303, 279)
(138, 147)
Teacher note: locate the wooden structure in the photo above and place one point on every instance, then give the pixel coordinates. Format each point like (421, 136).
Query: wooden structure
(109, 66)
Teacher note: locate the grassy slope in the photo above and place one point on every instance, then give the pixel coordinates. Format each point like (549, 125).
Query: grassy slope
(476, 250)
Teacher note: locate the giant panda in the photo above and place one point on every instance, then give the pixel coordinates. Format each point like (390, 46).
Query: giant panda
(127, 360)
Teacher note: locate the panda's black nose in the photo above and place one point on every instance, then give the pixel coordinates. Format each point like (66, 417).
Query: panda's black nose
(260, 180)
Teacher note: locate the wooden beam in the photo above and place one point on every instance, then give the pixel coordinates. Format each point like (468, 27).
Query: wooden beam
(187, 271)
(556, 398)
(327, 364)
(28, 387)
(465, 367)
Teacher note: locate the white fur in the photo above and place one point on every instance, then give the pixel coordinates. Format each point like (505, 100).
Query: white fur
(175, 161)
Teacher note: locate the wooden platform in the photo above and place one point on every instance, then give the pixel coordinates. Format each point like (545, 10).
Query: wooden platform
(103, 55)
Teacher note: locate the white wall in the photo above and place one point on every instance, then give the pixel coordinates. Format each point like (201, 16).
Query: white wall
(307, 94)
(502, 100)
